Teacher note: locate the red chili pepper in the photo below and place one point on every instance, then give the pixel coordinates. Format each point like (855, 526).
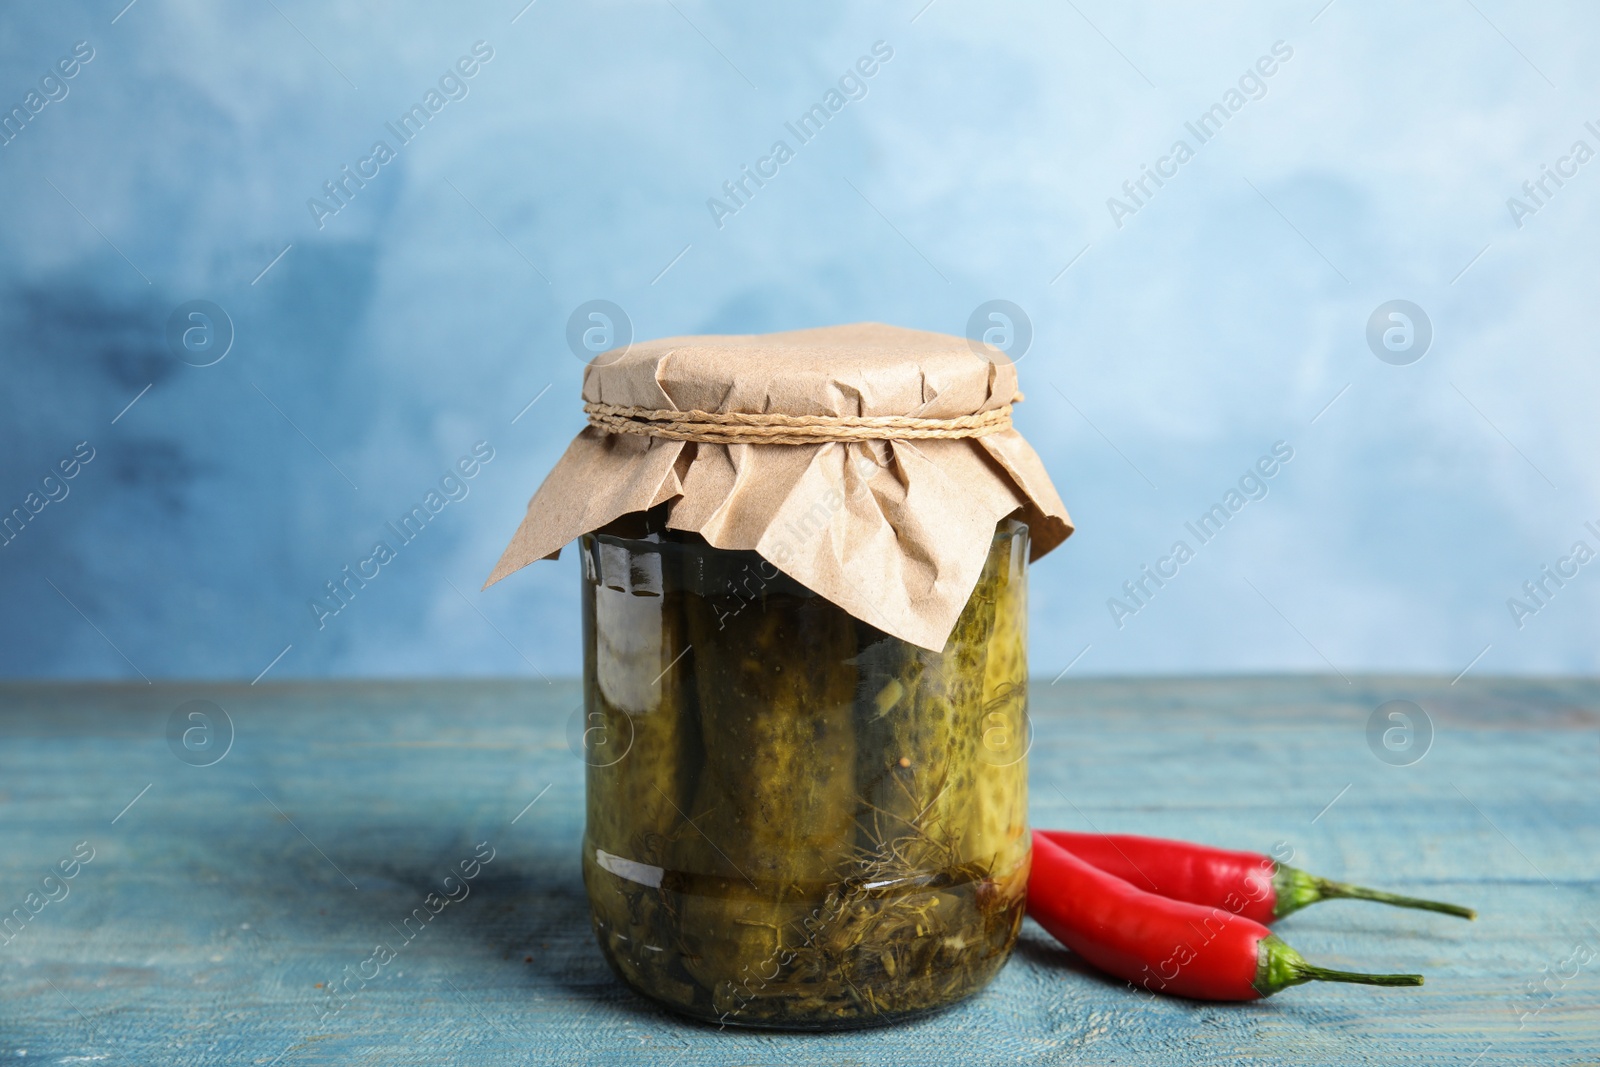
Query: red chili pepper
(1164, 945)
(1250, 883)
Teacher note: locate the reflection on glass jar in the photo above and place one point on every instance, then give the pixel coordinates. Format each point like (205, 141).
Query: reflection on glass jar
(794, 819)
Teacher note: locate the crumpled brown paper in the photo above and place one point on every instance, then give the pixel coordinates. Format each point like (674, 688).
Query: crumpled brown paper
(894, 532)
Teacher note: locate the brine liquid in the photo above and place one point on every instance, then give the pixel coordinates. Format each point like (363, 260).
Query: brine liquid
(794, 819)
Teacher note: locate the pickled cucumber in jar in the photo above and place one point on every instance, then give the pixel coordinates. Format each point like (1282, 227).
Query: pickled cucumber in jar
(810, 829)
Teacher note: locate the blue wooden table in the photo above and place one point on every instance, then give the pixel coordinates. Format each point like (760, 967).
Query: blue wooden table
(232, 888)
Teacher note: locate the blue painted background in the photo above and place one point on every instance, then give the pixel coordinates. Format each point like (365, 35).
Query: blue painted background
(1172, 345)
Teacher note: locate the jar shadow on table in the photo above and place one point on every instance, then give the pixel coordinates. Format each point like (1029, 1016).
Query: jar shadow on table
(524, 927)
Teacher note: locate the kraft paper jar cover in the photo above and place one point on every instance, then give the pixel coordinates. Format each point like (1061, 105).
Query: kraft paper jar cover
(894, 532)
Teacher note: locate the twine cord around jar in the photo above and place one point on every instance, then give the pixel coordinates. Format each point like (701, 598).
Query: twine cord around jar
(735, 427)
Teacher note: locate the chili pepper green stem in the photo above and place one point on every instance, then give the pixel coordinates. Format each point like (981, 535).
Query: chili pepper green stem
(1278, 967)
(1296, 888)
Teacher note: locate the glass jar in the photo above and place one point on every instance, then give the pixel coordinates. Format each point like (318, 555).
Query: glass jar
(794, 819)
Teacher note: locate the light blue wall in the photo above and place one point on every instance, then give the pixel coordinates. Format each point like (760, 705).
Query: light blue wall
(1219, 318)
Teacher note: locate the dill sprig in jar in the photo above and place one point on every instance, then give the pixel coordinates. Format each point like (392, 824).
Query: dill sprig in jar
(804, 590)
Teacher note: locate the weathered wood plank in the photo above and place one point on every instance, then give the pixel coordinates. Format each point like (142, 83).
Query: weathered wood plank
(216, 903)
